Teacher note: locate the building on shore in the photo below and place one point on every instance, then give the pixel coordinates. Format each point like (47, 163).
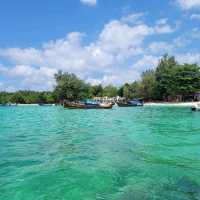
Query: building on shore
(109, 99)
(185, 98)
(197, 96)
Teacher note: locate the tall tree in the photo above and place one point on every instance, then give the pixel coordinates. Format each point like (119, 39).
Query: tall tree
(165, 72)
(70, 87)
(110, 91)
(148, 85)
(132, 90)
(17, 97)
(187, 80)
(96, 91)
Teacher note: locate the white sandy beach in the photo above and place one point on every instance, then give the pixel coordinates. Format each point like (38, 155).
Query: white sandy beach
(33, 104)
(182, 104)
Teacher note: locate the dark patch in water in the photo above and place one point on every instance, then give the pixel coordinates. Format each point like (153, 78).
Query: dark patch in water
(184, 189)
(135, 195)
(189, 187)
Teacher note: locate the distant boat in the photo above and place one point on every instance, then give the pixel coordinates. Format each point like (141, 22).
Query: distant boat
(43, 104)
(106, 105)
(196, 107)
(131, 103)
(8, 104)
(86, 105)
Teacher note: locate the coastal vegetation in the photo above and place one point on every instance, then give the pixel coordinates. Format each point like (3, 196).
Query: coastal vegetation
(27, 97)
(169, 81)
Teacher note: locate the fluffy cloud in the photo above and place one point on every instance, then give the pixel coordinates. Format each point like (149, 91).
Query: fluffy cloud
(7, 87)
(189, 58)
(25, 56)
(135, 18)
(89, 2)
(109, 59)
(195, 34)
(195, 16)
(121, 38)
(162, 26)
(1, 86)
(160, 47)
(188, 4)
(30, 77)
(146, 62)
(118, 77)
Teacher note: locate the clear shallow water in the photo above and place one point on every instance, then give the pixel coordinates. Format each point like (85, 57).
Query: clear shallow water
(48, 153)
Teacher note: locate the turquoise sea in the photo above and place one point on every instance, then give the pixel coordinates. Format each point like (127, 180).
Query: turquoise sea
(149, 153)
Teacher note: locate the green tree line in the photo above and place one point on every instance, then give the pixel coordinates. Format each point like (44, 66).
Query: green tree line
(27, 97)
(169, 81)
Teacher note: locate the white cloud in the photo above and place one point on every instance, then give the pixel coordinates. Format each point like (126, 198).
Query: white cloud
(118, 77)
(181, 41)
(89, 2)
(195, 33)
(2, 70)
(146, 62)
(162, 21)
(24, 56)
(110, 58)
(7, 88)
(195, 16)
(160, 47)
(162, 26)
(188, 4)
(121, 38)
(134, 18)
(189, 58)
(30, 77)
(1, 86)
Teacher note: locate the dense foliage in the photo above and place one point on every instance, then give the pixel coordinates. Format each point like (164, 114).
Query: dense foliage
(69, 86)
(27, 97)
(169, 81)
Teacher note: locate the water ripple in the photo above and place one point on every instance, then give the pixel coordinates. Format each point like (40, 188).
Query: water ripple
(50, 153)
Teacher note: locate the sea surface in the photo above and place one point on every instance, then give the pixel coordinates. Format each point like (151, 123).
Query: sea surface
(51, 153)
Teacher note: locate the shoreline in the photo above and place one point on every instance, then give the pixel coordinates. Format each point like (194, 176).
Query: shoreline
(33, 104)
(181, 104)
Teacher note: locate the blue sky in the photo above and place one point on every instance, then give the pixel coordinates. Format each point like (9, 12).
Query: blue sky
(102, 41)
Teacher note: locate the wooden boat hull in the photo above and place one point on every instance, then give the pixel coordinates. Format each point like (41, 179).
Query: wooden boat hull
(106, 106)
(128, 105)
(41, 104)
(86, 106)
(195, 108)
(74, 106)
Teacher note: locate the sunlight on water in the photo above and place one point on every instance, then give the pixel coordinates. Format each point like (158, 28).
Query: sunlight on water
(48, 153)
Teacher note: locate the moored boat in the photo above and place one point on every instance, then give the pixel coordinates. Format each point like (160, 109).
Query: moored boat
(74, 105)
(106, 105)
(8, 104)
(45, 104)
(196, 107)
(131, 103)
(86, 105)
(3, 105)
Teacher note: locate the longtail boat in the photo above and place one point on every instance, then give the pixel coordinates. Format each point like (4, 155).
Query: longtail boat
(84, 105)
(131, 103)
